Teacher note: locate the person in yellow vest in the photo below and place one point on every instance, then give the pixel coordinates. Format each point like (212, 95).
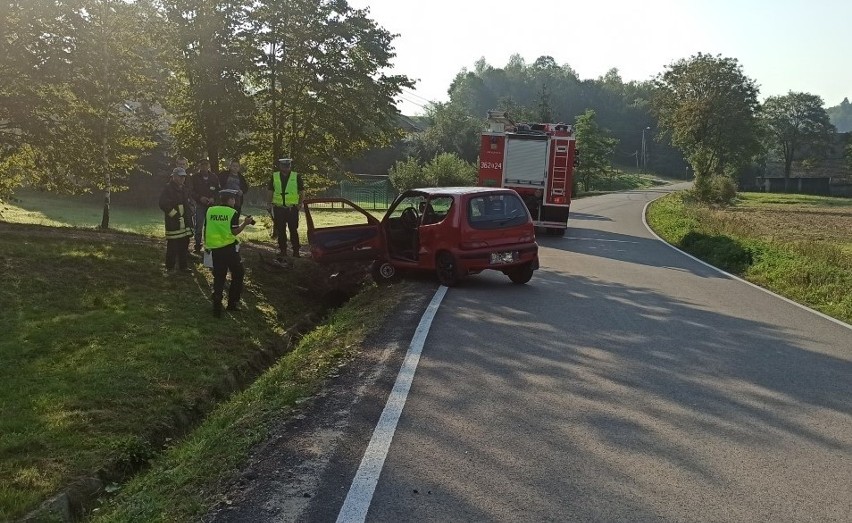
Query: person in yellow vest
(174, 202)
(221, 227)
(288, 189)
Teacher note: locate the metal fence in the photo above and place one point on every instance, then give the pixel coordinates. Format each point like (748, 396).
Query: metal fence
(368, 191)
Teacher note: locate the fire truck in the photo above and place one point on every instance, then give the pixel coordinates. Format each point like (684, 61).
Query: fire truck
(537, 160)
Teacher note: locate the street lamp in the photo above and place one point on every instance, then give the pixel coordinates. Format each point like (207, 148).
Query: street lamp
(644, 154)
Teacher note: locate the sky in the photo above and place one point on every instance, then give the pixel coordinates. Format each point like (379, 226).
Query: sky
(784, 45)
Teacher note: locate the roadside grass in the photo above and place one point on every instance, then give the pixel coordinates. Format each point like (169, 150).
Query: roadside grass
(103, 354)
(622, 181)
(796, 245)
(181, 485)
(84, 212)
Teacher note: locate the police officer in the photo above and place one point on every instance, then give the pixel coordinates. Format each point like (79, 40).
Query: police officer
(288, 189)
(174, 203)
(221, 228)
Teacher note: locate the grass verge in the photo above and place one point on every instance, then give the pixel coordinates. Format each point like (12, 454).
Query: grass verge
(37, 208)
(182, 484)
(796, 245)
(104, 355)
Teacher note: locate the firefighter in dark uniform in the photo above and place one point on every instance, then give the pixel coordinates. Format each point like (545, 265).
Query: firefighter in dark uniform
(220, 237)
(288, 190)
(174, 202)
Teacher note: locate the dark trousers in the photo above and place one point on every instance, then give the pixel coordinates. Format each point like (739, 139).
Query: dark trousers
(200, 219)
(176, 250)
(289, 217)
(227, 259)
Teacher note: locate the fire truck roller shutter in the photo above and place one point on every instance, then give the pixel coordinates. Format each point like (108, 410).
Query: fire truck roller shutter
(526, 160)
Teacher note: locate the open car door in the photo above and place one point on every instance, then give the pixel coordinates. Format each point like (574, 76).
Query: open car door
(340, 231)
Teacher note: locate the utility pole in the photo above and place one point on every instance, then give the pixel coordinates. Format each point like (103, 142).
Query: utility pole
(644, 150)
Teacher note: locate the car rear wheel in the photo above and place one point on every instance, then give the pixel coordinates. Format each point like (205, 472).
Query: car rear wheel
(384, 272)
(522, 274)
(447, 269)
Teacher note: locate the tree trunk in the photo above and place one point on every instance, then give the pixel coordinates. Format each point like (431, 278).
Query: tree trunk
(105, 129)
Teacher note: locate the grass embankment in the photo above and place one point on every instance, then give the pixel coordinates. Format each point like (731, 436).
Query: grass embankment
(622, 181)
(796, 245)
(38, 208)
(104, 356)
(182, 484)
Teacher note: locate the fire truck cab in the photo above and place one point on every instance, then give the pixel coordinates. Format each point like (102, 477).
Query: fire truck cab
(537, 160)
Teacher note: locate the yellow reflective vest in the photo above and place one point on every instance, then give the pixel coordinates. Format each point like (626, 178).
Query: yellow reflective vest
(285, 196)
(217, 227)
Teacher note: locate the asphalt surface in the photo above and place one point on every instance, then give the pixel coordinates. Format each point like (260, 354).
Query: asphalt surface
(625, 382)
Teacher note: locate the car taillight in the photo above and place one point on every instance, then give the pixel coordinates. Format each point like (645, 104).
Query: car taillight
(526, 238)
(473, 245)
(558, 199)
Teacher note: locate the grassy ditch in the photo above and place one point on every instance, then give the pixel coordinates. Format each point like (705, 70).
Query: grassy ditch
(105, 357)
(796, 245)
(182, 484)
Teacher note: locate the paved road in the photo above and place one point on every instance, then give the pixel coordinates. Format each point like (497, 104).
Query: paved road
(626, 382)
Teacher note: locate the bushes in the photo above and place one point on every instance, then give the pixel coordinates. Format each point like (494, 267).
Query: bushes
(721, 190)
(445, 170)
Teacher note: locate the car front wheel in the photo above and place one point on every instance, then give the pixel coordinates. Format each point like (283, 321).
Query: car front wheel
(447, 269)
(522, 274)
(384, 273)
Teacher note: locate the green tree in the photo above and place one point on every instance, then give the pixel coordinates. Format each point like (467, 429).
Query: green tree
(322, 89)
(407, 174)
(445, 170)
(76, 84)
(796, 122)
(707, 107)
(213, 53)
(596, 148)
(451, 130)
(448, 170)
(841, 116)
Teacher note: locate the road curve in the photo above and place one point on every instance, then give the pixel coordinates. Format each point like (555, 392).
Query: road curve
(625, 382)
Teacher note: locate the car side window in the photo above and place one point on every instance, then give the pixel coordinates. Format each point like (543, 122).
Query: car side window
(436, 209)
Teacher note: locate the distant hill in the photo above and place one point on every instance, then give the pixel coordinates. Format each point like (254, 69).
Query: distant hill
(841, 116)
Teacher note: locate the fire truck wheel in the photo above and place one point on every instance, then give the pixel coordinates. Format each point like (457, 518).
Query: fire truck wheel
(521, 274)
(447, 269)
(384, 273)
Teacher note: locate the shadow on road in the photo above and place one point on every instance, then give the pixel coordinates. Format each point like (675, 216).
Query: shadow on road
(626, 248)
(642, 386)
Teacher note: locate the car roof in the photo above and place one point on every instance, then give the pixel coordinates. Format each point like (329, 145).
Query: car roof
(461, 190)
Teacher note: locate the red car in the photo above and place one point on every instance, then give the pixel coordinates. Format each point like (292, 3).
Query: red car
(454, 231)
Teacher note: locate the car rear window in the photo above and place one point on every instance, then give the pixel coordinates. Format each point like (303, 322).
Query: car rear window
(496, 211)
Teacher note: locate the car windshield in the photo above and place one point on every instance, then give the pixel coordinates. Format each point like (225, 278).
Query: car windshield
(496, 211)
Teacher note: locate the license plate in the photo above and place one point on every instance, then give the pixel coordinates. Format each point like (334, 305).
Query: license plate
(504, 257)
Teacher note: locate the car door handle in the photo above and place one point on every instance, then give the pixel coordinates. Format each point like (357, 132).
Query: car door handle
(363, 248)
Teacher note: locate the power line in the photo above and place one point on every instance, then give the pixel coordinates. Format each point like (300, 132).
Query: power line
(412, 93)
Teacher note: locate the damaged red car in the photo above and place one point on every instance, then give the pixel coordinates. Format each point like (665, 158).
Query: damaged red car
(452, 231)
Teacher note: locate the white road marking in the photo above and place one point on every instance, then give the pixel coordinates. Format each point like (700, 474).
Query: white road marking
(363, 486)
(732, 276)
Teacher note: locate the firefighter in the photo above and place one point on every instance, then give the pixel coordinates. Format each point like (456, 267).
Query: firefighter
(221, 228)
(288, 190)
(175, 204)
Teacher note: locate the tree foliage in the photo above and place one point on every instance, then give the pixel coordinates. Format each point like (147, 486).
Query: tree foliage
(83, 81)
(841, 116)
(445, 170)
(320, 87)
(451, 129)
(707, 107)
(796, 122)
(77, 78)
(596, 148)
